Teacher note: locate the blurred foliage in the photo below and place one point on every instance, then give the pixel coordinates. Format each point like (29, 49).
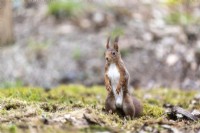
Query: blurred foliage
(76, 54)
(125, 52)
(14, 84)
(181, 18)
(12, 128)
(173, 2)
(65, 8)
(118, 31)
(38, 46)
(181, 12)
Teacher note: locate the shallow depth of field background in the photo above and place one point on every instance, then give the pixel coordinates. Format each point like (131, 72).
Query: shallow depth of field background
(63, 42)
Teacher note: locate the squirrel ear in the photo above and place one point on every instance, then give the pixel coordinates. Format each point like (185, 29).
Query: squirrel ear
(116, 43)
(107, 45)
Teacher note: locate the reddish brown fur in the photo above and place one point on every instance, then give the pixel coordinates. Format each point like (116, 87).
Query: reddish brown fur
(130, 106)
(107, 83)
(124, 77)
(110, 103)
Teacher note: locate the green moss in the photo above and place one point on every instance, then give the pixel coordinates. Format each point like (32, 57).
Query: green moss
(153, 110)
(74, 94)
(34, 102)
(49, 107)
(162, 96)
(13, 104)
(29, 94)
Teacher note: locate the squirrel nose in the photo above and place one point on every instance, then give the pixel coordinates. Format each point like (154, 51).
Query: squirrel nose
(106, 58)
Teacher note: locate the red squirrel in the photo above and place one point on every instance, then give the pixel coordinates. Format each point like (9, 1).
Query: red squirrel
(117, 82)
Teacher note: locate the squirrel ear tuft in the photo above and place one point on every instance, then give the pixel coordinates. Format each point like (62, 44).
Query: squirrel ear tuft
(107, 45)
(116, 43)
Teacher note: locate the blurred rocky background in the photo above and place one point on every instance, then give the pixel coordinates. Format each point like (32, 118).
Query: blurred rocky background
(63, 42)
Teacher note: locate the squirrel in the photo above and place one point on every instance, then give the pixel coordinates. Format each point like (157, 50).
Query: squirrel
(116, 82)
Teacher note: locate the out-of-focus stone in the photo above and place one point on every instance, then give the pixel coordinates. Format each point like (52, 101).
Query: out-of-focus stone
(64, 29)
(172, 59)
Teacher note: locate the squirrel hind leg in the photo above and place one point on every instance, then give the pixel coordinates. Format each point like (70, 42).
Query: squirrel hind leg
(138, 107)
(110, 103)
(128, 107)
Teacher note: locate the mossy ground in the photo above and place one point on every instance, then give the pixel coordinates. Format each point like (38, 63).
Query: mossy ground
(26, 109)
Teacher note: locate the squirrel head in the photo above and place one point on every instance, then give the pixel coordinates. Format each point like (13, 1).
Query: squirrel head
(112, 55)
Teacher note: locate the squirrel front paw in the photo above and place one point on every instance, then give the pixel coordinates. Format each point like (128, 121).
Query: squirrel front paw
(118, 90)
(108, 87)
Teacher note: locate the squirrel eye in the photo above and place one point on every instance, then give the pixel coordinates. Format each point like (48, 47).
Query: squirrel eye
(113, 53)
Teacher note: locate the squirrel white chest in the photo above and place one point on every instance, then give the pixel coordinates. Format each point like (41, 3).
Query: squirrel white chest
(114, 76)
